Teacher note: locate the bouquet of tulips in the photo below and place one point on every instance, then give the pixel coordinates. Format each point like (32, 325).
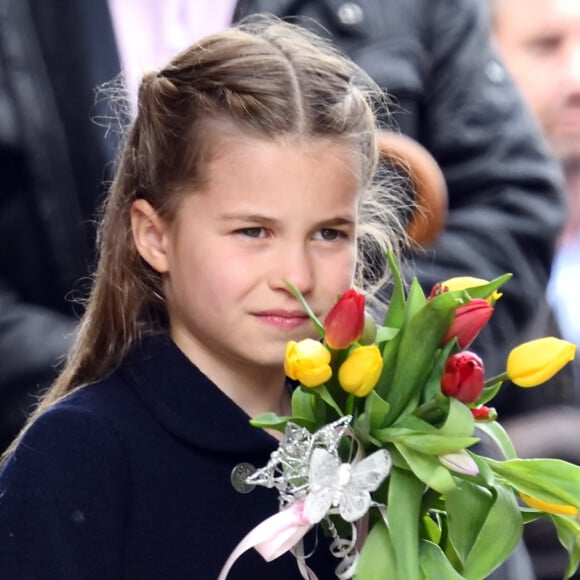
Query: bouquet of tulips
(379, 448)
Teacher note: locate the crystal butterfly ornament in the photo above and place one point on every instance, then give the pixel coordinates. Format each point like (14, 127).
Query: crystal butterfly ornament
(307, 466)
(312, 484)
(344, 487)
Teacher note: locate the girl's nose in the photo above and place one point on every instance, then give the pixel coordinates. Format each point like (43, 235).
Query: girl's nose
(295, 266)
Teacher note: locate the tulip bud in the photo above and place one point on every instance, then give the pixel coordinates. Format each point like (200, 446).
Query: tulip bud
(533, 363)
(460, 462)
(463, 377)
(484, 413)
(369, 333)
(361, 371)
(307, 361)
(345, 322)
(469, 320)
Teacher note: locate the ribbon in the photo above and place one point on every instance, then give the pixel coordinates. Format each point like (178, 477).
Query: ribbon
(272, 537)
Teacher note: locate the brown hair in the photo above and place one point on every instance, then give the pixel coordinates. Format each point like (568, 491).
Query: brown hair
(264, 76)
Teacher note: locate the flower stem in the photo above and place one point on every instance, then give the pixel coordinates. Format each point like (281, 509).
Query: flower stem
(497, 379)
(350, 405)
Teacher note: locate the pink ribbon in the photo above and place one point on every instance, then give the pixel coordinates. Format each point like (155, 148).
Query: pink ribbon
(272, 537)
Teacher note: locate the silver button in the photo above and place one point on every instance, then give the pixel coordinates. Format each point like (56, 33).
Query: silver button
(350, 13)
(239, 475)
(495, 71)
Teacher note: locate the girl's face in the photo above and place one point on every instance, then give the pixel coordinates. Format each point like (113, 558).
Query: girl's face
(269, 212)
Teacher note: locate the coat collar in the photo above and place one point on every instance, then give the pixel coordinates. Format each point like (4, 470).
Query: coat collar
(187, 403)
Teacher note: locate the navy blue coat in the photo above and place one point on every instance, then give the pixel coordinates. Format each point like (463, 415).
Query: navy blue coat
(130, 479)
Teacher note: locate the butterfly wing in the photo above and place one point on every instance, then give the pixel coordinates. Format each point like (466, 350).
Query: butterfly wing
(322, 481)
(354, 503)
(366, 476)
(370, 472)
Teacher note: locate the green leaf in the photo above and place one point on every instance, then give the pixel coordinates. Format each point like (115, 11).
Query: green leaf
(433, 383)
(431, 531)
(413, 423)
(497, 538)
(303, 404)
(437, 444)
(434, 563)
(467, 508)
(499, 436)
(273, 421)
(415, 299)
(489, 392)
(530, 514)
(404, 501)
(390, 354)
(551, 480)
(270, 421)
(377, 557)
(391, 434)
(377, 409)
(459, 422)
(445, 543)
(568, 530)
(385, 333)
(395, 314)
(427, 468)
(325, 395)
(419, 341)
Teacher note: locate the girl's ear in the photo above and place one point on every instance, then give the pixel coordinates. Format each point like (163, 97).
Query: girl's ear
(149, 233)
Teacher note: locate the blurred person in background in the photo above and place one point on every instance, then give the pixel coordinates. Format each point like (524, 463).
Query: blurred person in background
(540, 43)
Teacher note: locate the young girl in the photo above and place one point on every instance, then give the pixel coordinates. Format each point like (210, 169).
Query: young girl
(250, 163)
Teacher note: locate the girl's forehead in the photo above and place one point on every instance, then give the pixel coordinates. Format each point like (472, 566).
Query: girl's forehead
(255, 153)
(279, 179)
(305, 162)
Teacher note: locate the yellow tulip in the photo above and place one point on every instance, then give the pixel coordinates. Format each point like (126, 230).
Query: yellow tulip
(547, 507)
(533, 363)
(463, 282)
(307, 361)
(360, 372)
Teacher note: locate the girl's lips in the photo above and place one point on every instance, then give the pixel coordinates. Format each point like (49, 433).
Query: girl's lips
(285, 320)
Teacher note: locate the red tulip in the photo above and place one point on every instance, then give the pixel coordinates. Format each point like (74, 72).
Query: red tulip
(469, 320)
(464, 377)
(344, 324)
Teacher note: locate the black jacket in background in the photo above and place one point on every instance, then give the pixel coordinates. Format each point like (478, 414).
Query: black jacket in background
(54, 159)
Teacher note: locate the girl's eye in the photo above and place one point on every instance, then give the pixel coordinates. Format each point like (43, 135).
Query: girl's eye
(330, 234)
(255, 232)
(545, 45)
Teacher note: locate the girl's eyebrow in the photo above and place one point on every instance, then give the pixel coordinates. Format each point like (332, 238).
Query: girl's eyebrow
(339, 221)
(251, 217)
(334, 221)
